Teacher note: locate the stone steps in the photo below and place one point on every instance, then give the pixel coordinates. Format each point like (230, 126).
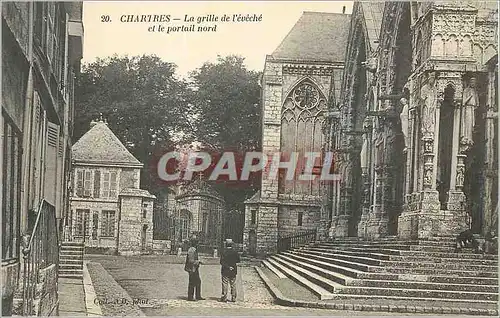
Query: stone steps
(398, 247)
(428, 268)
(273, 269)
(433, 277)
(305, 278)
(390, 270)
(447, 244)
(308, 277)
(384, 253)
(71, 260)
(375, 259)
(70, 266)
(394, 282)
(319, 291)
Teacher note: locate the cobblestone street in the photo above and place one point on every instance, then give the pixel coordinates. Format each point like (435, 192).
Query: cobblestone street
(158, 285)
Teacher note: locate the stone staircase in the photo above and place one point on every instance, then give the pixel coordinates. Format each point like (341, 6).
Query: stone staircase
(71, 260)
(392, 269)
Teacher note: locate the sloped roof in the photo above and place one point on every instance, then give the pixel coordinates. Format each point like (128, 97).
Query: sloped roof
(373, 13)
(317, 36)
(133, 192)
(100, 145)
(254, 198)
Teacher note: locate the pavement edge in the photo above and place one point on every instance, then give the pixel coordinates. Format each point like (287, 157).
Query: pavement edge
(93, 309)
(285, 301)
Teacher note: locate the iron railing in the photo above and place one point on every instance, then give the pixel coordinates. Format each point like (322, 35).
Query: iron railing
(41, 251)
(296, 240)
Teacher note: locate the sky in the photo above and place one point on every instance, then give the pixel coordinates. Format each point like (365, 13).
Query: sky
(189, 50)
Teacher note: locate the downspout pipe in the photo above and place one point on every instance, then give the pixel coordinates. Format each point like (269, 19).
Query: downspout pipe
(27, 126)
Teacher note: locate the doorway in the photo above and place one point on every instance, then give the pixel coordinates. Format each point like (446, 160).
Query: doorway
(252, 242)
(143, 238)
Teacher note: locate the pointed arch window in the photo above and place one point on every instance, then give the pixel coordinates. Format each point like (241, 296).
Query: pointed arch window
(302, 121)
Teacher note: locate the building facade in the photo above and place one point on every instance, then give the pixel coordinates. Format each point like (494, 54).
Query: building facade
(417, 111)
(300, 80)
(408, 106)
(41, 53)
(109, 211)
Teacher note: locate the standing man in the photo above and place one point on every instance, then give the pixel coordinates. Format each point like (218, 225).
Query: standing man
(192, 267)
(229, 258)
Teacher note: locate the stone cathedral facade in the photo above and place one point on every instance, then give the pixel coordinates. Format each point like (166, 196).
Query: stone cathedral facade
(408, 106)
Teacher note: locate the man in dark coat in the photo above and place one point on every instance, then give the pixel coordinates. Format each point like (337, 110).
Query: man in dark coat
(192, 267)
(229, 258)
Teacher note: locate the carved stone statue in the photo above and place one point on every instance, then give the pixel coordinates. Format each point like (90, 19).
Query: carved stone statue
(403, 116)
(428, 96)
(470, 102)
(347, 171)
(364, 153)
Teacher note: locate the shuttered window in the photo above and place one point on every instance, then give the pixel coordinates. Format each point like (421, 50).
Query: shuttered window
(82, 221)
(87, 183)
(97, 183)
(79, 182)
(109, 185)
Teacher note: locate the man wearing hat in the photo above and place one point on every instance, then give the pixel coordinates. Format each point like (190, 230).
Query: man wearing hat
(229, 258)
(192, 267)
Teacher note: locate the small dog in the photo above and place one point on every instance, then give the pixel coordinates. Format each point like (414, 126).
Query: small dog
(468, 239)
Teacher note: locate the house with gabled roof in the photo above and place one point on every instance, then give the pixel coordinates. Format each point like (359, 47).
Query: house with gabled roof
(109, 211)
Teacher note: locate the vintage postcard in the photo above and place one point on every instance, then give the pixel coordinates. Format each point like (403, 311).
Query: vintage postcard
(249, 158)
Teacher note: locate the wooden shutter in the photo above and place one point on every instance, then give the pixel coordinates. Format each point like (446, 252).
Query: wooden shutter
(79, 182)
(50, 180)
(97, 183)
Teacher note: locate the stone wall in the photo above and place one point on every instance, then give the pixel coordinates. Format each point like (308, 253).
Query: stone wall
(288, 217)
(161, 246)
(10, 281)
(129, 178)
(267, 228)
(132, 223)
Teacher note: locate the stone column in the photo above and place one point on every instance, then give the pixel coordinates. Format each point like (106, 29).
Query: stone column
(424, 221)
(339, 226)
(490, 206)
(267, 214)
(376, 187)
(362, 226)
(456, 197)
(366, 151)
(457, 219)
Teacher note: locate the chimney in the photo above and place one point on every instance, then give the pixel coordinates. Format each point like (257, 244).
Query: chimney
(343, 10)
(100, 120)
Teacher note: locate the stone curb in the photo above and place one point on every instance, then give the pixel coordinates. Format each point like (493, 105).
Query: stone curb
(93, 309)
(118, 288)
(282, 300)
